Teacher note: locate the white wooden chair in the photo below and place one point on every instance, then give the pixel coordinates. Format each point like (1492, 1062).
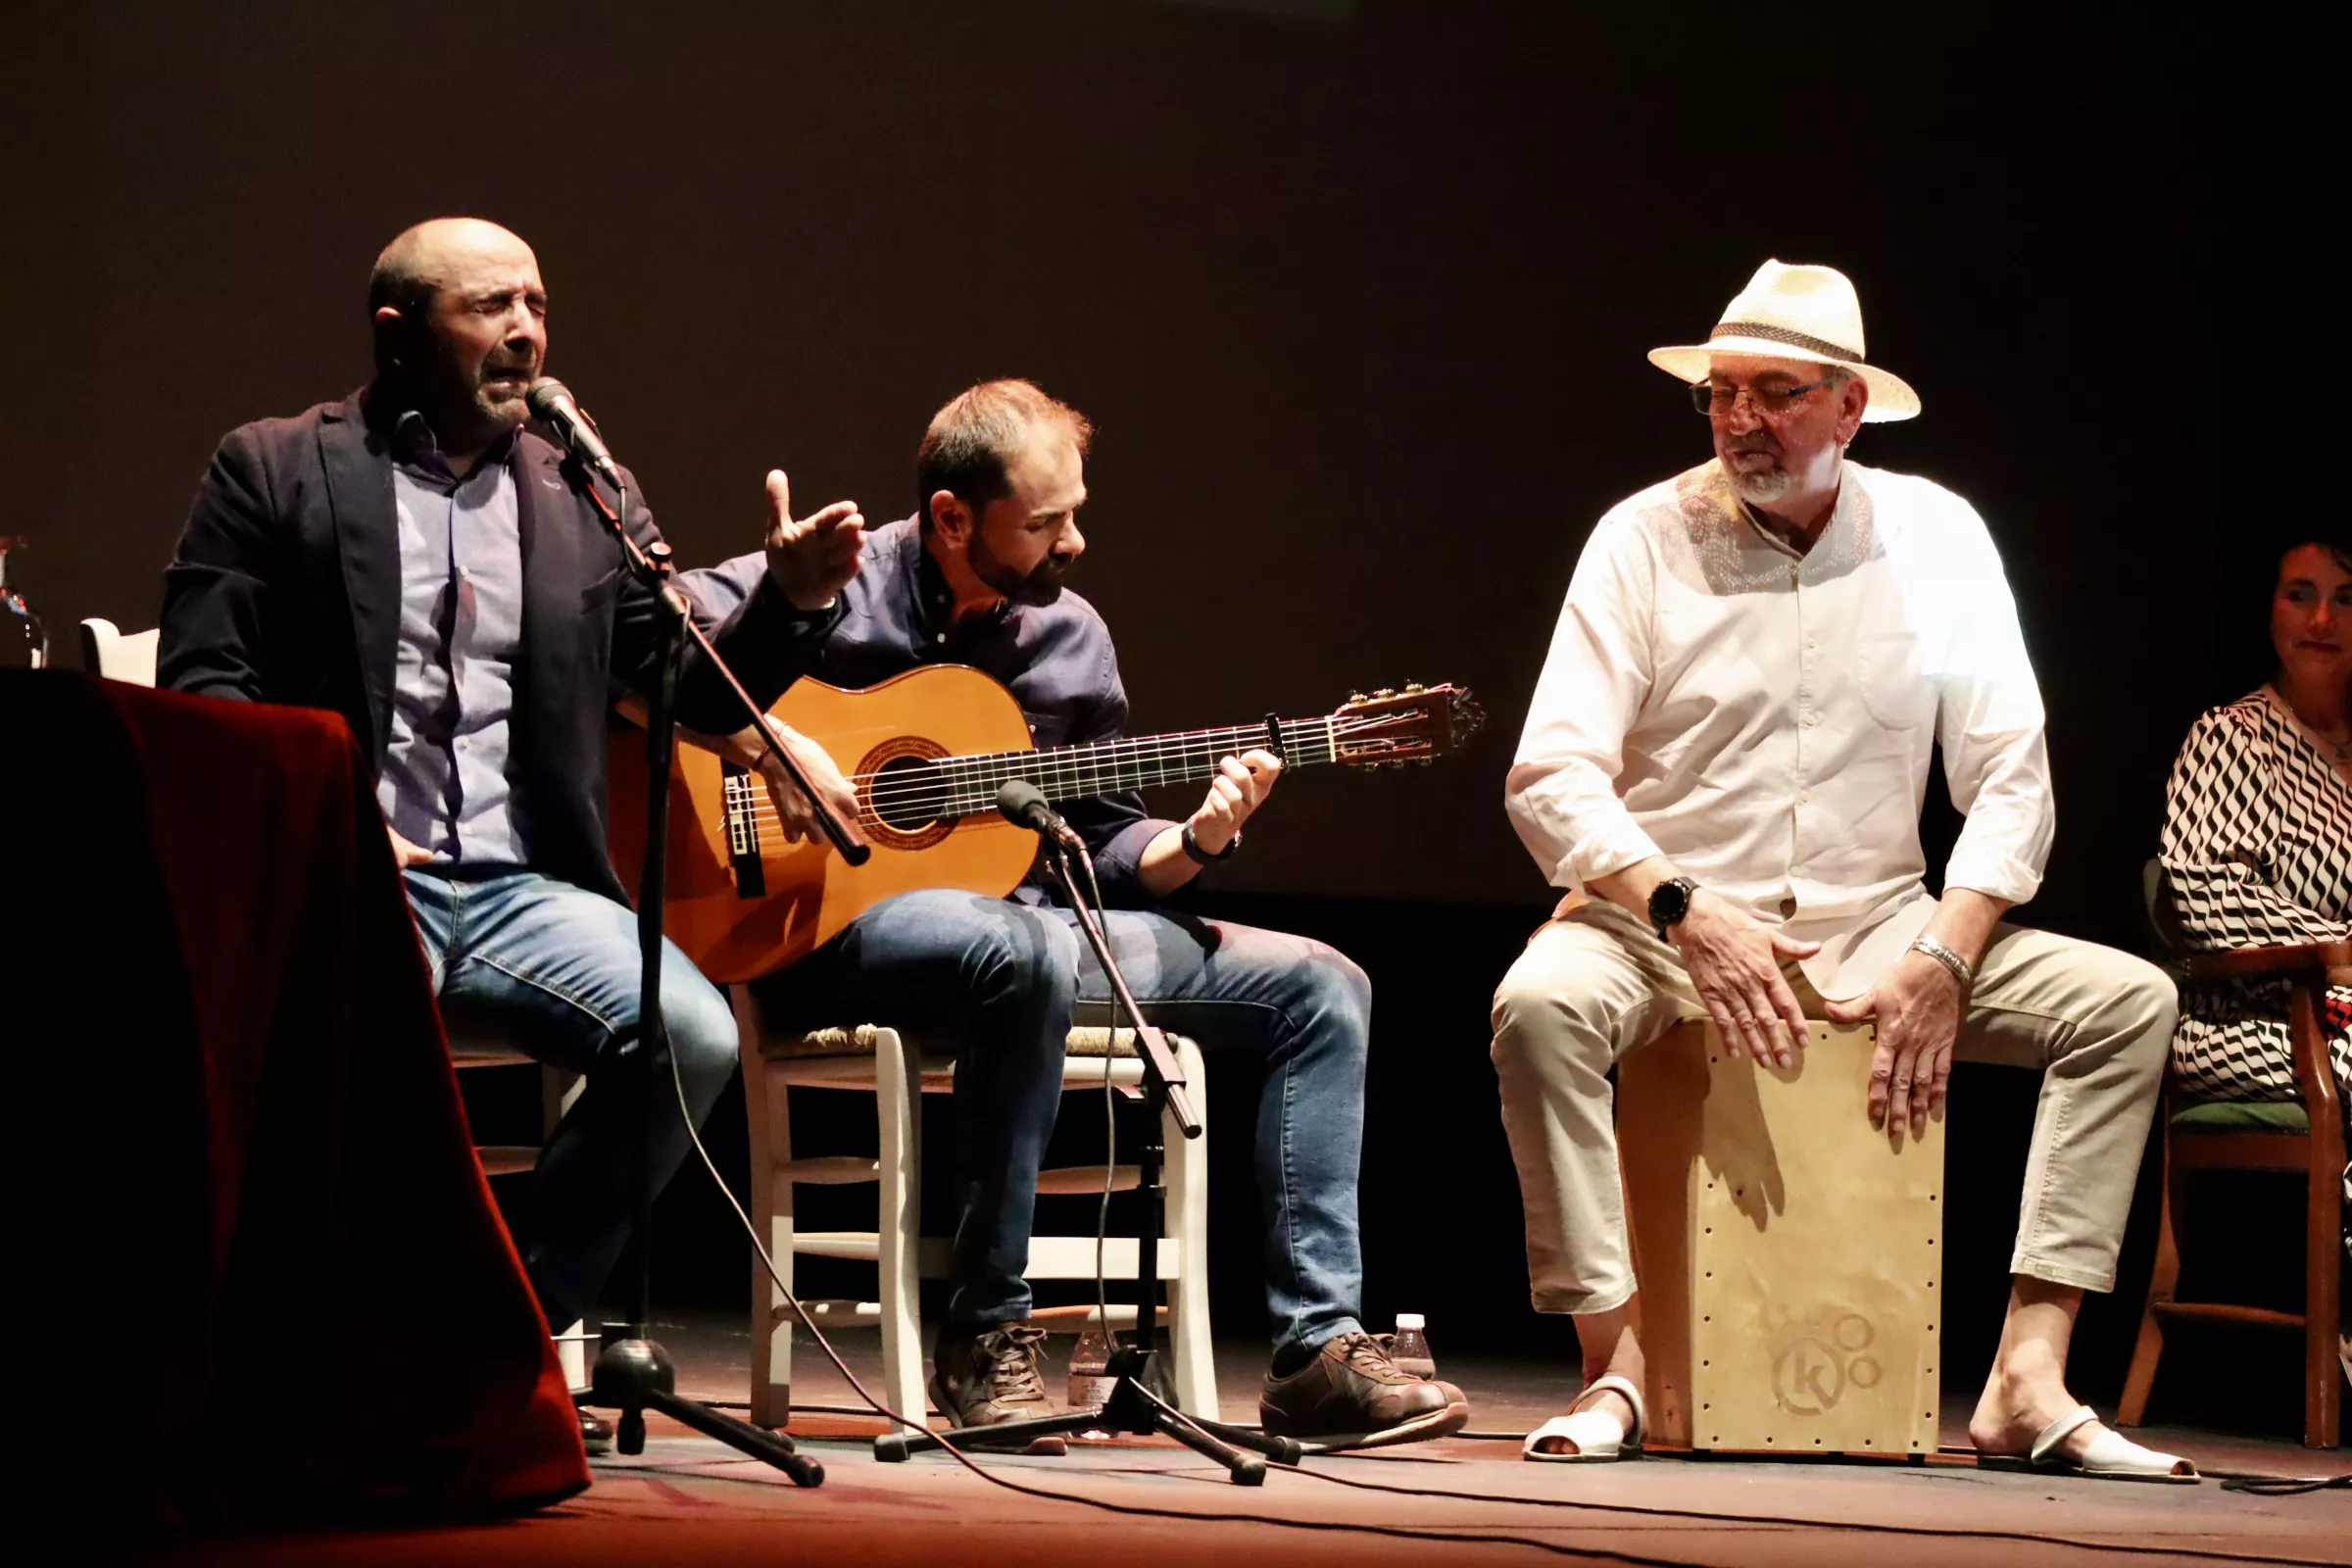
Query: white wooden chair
(129, 657)
(898, 1072)
(108, 651)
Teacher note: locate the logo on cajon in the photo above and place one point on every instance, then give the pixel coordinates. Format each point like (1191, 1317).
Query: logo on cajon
(1813, 1366)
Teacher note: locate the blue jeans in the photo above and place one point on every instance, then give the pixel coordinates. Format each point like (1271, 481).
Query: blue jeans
(1005, 980)
(552, 969)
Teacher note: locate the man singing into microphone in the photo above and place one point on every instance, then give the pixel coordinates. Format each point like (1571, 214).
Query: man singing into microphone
(413, 559)
(975, 578)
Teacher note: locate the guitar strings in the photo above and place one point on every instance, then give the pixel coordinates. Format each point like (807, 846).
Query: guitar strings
(1150, 746)
(947, 774)
(1116, 754)
(928, 774)
(937, 779)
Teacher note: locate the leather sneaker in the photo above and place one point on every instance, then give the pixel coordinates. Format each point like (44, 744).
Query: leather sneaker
(1351, 1396)
(595, 1435)
(981, 1377)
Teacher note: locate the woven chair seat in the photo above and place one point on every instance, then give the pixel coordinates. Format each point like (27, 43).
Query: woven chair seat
(857, 1040)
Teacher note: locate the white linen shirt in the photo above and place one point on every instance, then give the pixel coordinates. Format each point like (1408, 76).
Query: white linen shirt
(1765, 719)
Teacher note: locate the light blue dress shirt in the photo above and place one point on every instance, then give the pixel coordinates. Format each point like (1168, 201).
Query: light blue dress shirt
(446, 785)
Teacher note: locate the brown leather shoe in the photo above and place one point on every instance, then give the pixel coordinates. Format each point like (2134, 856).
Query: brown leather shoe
(980, 1377)
(1351, 1396)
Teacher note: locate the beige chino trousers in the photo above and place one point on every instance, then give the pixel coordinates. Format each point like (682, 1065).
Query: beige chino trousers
(2097, 1023)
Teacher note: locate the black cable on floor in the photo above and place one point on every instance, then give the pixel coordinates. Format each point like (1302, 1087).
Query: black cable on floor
(1811, 1524)
(2284, 1486)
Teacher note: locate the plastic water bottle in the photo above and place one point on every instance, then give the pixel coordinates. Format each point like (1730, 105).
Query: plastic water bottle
(1089, 1370)
(1408, 1352)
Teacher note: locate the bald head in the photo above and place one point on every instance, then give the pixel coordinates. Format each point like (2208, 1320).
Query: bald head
(460, 325)
(422, 258)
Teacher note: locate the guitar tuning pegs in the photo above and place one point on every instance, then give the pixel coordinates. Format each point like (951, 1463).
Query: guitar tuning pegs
(1356, 697)
(1383, 692)
(1425, 762)
(1413, 686)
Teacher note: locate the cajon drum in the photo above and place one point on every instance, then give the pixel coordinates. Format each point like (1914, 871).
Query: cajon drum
(1788, 1255)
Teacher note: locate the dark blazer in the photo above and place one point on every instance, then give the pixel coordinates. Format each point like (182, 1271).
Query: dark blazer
(286, 588)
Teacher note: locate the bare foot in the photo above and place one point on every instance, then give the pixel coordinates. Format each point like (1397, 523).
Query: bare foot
(1608, 1401)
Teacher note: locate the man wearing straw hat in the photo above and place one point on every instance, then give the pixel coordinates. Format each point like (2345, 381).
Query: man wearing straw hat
(1723, 764)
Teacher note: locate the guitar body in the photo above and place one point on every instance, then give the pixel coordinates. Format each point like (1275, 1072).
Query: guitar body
(928, 753)
(808, 892)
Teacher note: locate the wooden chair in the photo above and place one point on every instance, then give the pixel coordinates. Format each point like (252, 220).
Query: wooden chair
(899, 1071)
(108, 651)
(116, 655)
(1790, 1254)
(2306, 1139)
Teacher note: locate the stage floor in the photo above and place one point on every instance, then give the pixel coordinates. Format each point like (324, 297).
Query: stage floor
(690, 1502)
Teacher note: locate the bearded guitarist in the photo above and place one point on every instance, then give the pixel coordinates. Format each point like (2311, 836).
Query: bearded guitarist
(976, 578)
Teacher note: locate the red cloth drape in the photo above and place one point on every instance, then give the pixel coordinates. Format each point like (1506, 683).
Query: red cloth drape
(255, 1239)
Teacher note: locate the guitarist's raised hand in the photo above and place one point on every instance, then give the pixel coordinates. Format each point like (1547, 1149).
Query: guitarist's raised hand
(811, 559)
(792, 807)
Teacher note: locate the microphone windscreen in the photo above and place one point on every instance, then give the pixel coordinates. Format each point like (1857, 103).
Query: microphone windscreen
(545, 397)
(1018, 799)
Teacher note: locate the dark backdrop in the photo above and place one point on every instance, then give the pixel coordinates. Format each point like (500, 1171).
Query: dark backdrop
(1356, 294)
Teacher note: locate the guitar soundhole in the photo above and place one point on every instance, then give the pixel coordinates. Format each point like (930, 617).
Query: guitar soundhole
(904, 794)
(909, 794)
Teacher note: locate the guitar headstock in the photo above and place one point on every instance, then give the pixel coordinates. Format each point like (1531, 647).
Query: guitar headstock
(1418, 724)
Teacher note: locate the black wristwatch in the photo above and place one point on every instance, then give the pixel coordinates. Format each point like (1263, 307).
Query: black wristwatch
(1670, 902)
(1201, 857)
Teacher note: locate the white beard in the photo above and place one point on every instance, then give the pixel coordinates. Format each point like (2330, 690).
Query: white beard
(1763, 488)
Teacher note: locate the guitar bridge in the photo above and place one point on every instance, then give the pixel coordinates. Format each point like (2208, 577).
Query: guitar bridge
(743, 794)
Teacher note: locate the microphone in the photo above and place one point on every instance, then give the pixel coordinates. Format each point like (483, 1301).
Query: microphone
(551, 403)
(1023, 804)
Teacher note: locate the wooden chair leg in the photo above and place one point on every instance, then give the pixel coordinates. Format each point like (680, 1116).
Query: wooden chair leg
(2162, 1282)
(770, 1105)
(1189, 1339)
(2323, 1280)
(2322, 1211)
(898, 1227)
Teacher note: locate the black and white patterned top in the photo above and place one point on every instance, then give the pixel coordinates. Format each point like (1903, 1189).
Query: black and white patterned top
(2257, 850)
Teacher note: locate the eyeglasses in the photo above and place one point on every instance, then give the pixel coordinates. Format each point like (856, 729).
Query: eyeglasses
(1712, 400)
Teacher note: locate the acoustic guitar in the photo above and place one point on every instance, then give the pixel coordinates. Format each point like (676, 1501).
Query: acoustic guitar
(926, 752)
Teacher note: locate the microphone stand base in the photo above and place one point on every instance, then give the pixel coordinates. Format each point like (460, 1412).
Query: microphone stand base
(633, 1375)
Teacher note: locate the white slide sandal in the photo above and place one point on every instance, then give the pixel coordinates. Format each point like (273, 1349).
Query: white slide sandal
(1598, 1436)
(2110, 1456)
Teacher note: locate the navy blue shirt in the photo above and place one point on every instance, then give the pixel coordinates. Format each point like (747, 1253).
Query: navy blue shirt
(1056, 660)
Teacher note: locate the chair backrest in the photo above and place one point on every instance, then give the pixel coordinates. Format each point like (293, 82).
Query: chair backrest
(2169, 946)
(106, 650)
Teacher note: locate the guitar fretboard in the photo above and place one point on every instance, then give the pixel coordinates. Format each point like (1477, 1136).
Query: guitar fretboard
(967, 786)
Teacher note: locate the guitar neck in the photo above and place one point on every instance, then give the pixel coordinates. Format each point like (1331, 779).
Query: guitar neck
(1073, 772)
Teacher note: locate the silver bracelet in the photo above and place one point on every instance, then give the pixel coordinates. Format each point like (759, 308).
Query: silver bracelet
(1946, 957)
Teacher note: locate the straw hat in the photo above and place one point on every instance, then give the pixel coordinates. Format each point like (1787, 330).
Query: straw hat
(1796, 313)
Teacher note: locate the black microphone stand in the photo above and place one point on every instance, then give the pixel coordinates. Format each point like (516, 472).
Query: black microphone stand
(1132, 1407)
(633, 1373)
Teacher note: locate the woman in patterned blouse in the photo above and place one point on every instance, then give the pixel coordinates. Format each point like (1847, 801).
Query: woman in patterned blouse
(2257, 844)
